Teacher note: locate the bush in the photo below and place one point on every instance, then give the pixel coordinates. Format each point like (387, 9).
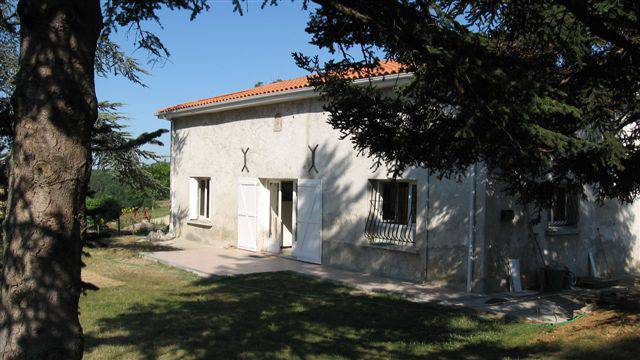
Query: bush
(103, 210)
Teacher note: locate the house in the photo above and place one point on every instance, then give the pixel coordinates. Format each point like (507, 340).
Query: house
(262, 170)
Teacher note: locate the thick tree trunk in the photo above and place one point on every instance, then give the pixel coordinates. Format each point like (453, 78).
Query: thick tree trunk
(56, 108)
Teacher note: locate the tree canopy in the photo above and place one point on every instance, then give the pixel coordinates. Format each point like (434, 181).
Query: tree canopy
(116, 150)
(63, 44)
(545, 93)
(113, 147)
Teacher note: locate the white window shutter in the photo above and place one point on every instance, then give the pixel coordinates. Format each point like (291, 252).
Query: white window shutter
(210, 198)
(309, 221)
(193, 198)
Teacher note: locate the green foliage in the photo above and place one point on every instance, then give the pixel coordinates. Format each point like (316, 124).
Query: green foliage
(114, 149)
(103, 209)
(160, 172)
(545, 93)
(106, 183)
(111, 60)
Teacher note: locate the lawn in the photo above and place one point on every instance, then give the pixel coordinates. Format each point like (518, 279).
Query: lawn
(160, 209)
(146, 310)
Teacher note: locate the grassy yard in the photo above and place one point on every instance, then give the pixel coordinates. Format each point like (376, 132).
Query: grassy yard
(161, 208)
(148, 311)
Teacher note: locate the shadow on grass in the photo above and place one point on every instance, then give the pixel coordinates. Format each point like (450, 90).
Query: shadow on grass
(132, 244)
(143, 246)
(625, 348)
(283, 314)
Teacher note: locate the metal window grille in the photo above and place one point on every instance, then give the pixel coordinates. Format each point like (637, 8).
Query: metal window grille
(565, 209)
(391, 219)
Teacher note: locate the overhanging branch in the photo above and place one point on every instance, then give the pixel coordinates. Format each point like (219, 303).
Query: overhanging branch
(133, 143)
(599, 26)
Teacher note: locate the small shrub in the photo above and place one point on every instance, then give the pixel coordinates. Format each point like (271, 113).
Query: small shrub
(103, 210)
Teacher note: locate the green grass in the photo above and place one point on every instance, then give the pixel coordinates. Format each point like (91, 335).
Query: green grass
(161, 312)
(160, 209)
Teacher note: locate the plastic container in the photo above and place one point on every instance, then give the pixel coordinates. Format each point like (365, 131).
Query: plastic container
(556, 279)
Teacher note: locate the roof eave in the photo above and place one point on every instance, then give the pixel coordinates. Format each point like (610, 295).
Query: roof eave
(276, 97)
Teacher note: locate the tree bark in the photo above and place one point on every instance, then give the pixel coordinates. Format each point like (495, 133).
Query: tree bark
(56, 108)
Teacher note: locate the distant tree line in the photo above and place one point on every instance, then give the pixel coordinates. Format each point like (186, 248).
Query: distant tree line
(106, 184)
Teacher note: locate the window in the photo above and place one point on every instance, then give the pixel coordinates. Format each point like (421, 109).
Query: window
(564, 208)
(392, 212)
(398, 204)
(199, 198)
(277, 122)
(203, 198)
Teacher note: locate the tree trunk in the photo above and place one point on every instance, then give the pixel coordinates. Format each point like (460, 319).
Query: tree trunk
(56, 108)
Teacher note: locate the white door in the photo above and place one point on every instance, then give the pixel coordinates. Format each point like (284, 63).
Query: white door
(247, 214)
(308, 246)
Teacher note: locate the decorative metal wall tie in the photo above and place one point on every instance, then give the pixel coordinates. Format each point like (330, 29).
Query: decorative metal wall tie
(313, 159)
(244, 152)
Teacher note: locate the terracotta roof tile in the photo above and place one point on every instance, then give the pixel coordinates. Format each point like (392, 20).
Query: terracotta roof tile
(385, 68)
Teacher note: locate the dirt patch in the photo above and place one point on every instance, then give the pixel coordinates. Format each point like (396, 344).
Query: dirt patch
(99, 280)
(607, 324)
(613, 319)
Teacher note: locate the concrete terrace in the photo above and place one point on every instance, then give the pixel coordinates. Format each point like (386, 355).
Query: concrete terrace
(206, 260)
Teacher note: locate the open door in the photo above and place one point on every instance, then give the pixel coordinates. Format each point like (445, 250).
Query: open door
(273, 239)
(308, 246)
(247, 214)
(287, 197)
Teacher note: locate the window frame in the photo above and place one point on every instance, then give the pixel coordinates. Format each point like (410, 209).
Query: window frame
(569, 209)
(202, 199)
(398, 214)
(277, 122)
(401, 229)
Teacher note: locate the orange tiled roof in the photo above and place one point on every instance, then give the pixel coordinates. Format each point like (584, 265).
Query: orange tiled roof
(386, 68)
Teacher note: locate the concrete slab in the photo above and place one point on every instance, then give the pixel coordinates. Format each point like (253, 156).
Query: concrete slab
(207, 260)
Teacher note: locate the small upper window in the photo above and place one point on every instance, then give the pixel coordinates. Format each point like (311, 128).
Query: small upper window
(564, 209)
(277, 122)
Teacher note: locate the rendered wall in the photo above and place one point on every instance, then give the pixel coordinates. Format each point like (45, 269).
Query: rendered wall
(618, 225)
(209, 145)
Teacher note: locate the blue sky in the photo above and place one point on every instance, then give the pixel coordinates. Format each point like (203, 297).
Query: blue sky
(218, 52)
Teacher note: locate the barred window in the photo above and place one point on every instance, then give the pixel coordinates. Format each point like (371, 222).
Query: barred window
(392, 210)
(564, 209)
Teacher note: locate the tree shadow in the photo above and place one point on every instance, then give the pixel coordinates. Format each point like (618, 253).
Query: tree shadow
(32, 274)
(283, 314)
(141, 246)
(606, 231)
(625, 348)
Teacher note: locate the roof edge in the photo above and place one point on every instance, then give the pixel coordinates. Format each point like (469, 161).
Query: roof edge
(383, 81)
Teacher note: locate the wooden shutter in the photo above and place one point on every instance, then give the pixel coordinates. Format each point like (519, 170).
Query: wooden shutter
(193, 198)
(308, 245)
(248, 214)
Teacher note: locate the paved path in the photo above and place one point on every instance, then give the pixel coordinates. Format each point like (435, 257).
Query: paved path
(206, 260)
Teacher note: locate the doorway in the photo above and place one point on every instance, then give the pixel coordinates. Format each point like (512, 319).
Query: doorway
(282, 216)
(290, 218)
